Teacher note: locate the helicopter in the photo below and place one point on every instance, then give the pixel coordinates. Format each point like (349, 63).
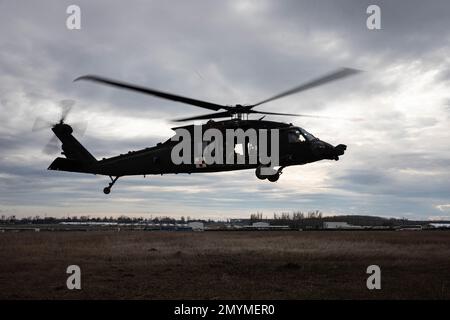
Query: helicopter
(296, 146)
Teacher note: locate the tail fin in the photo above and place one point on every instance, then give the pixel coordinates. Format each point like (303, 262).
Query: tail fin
(78, 159)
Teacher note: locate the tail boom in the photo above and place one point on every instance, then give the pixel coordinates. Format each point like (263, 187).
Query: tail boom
(78, 158)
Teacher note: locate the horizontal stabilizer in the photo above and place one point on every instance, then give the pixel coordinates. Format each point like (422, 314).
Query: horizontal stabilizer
(63, 164)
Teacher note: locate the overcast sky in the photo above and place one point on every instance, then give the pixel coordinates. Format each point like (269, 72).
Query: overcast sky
(398, 158)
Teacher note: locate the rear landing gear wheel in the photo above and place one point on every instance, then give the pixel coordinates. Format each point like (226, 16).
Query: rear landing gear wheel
(107, 189)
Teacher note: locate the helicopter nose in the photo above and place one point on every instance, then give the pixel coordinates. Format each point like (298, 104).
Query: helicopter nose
(339, 150)
(325, 150)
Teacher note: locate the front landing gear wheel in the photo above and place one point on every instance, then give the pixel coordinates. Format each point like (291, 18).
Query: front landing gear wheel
(259, 175)
(276, 176)
(106, 190)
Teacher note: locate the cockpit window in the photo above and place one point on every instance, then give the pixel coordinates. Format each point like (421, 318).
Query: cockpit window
(295, 136)
(308, 136)
(299, 135)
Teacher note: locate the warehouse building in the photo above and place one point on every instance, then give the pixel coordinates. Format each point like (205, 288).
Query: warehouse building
(196, 226)
(339, 225)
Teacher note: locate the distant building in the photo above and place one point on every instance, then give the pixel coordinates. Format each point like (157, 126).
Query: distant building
(197, 226)
(172, 227)
(440, 225)
(261, 225)
(339, 225)
(409, 228)
(264, 226)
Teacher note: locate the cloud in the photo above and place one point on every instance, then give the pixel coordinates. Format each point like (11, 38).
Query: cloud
(230, 52)
(443, 207)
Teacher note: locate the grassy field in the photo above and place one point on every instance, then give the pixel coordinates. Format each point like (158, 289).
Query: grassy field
(225, 265)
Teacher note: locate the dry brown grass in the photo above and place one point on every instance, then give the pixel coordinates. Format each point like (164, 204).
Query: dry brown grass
(225, 265)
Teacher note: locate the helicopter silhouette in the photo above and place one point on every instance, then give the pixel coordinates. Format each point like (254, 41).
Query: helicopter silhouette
(296, 146)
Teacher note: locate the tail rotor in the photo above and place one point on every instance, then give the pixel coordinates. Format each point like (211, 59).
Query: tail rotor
(40, 124)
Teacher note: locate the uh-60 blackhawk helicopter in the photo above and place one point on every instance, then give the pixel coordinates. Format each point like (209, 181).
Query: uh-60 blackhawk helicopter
(296, 145)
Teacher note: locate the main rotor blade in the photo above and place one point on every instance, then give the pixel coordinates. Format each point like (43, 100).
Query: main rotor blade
(153, 92)
(230, 113)
(290, 114)
(275, 113)
(223, 114)
(336, 75)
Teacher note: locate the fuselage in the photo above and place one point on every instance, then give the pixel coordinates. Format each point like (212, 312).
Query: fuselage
(296, 147)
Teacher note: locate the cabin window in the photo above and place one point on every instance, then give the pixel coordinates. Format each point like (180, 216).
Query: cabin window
(239, 149)
(252, 148)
